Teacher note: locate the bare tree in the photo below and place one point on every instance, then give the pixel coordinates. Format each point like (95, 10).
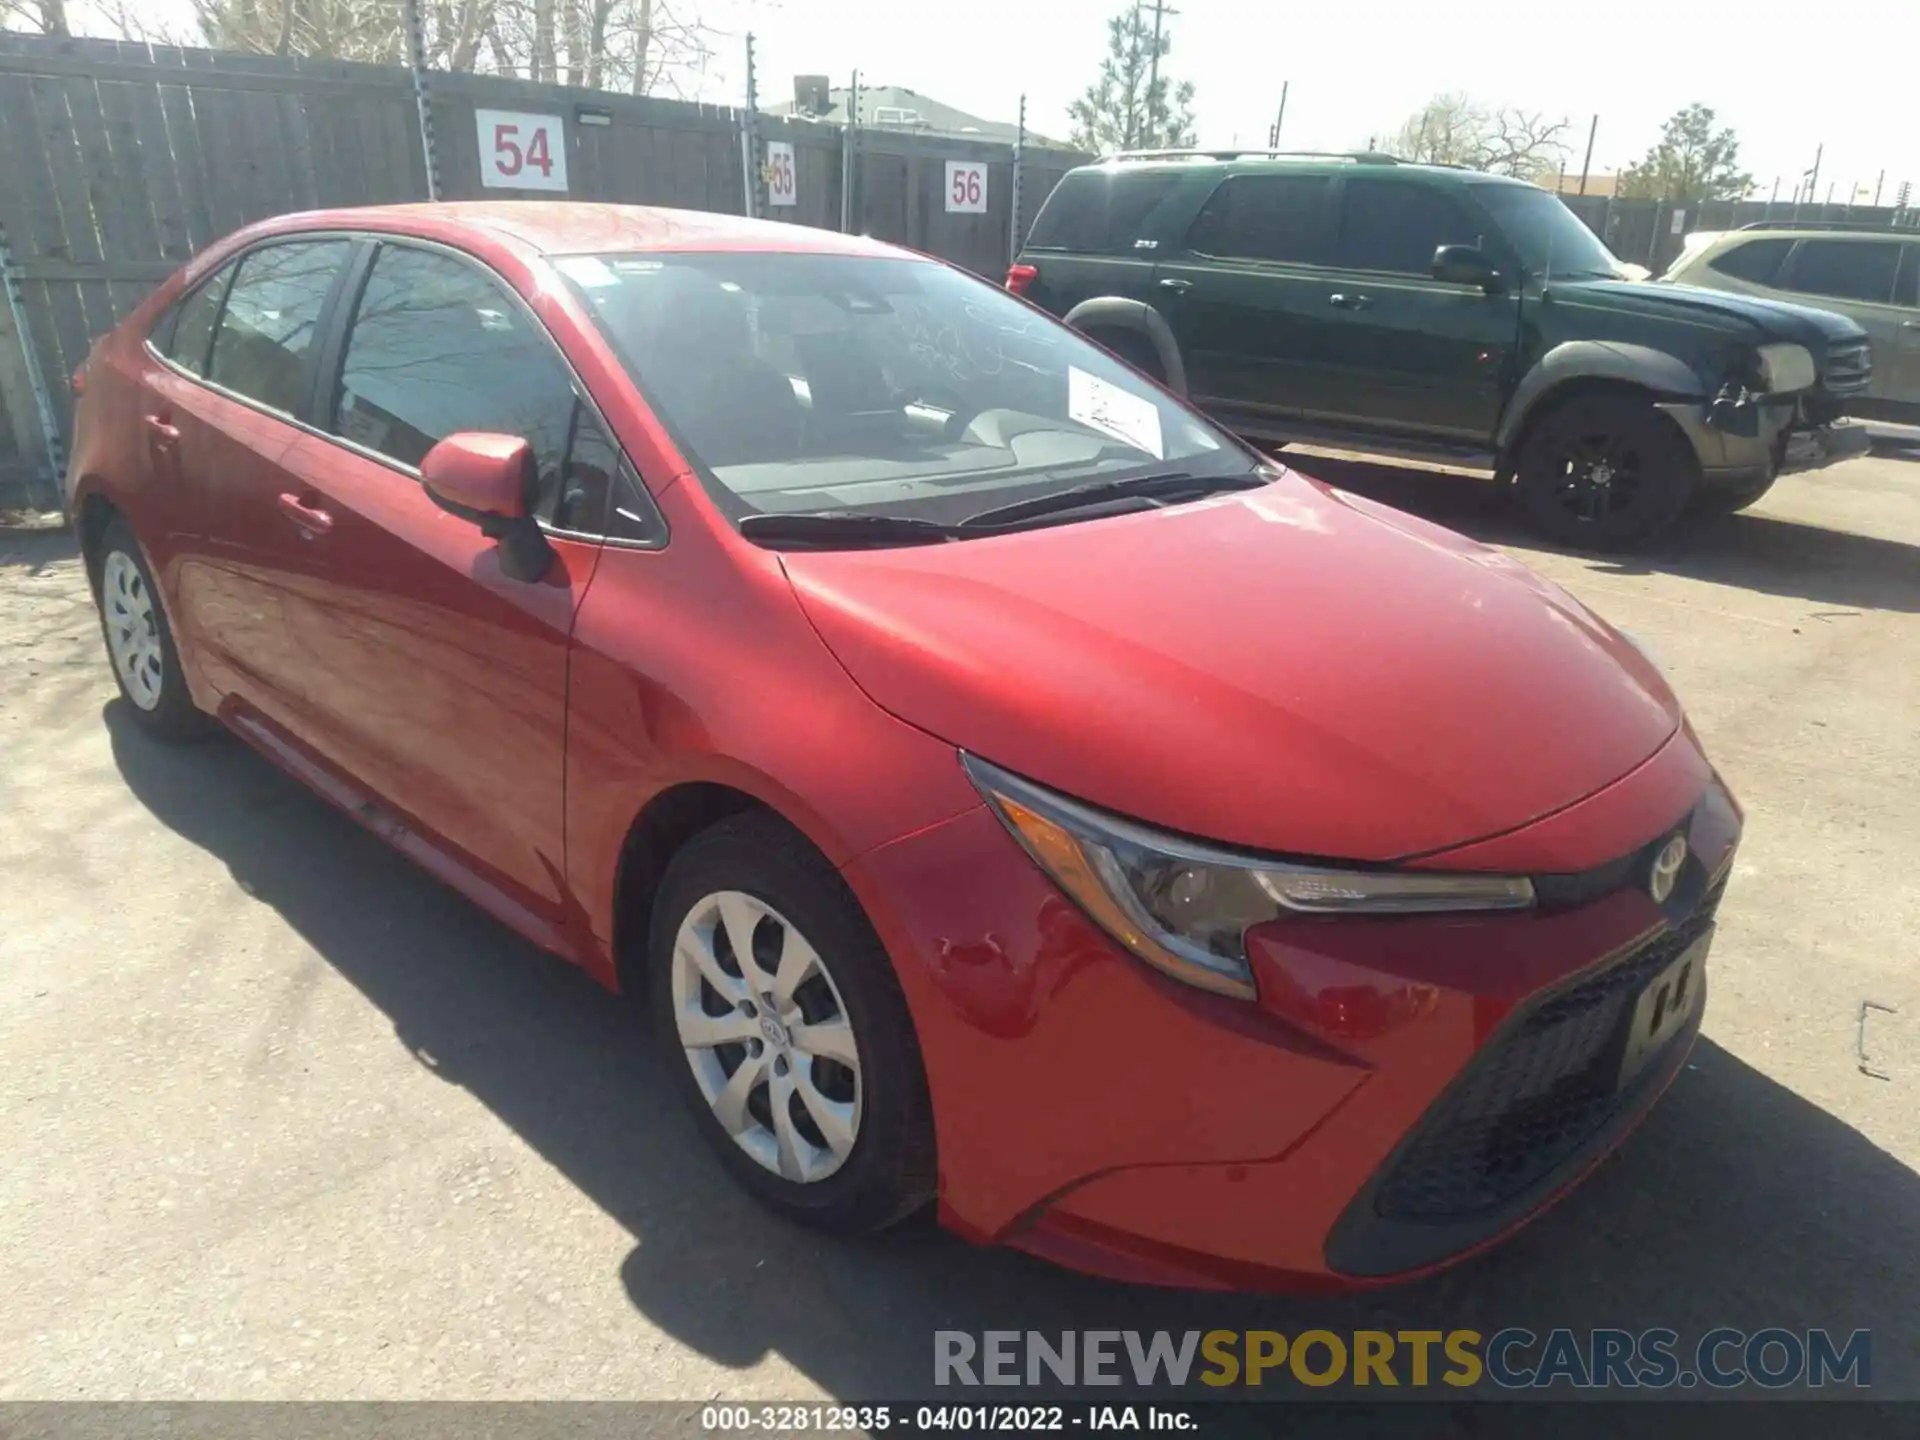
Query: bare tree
(1453, 129)
(48, 17)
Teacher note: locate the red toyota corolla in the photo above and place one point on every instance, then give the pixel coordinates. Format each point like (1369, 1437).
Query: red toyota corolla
(1006, 787)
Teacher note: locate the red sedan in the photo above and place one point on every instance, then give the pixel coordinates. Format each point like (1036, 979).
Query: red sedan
(1005, 787)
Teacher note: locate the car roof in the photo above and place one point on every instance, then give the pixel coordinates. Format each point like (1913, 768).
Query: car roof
(1246, 161)
(1787, 230)
(562, 227)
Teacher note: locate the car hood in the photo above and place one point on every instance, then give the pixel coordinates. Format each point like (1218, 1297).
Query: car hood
(1290, 669)
(1767, 319)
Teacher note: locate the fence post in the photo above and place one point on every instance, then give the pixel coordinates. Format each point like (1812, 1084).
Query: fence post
(848, 133)
(417, 64)
(55, 465)
(750, 140)
(1019, 154)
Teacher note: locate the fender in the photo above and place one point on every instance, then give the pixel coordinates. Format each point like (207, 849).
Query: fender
(1119, 313)
(1641, 365)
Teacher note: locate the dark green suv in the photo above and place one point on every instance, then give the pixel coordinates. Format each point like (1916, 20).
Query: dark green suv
(1445, 315)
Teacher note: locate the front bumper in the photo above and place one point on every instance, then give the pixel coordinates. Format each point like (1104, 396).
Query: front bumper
(1094, 1112)
(1781, 443)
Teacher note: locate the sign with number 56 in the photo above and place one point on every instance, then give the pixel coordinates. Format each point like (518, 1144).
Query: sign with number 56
(522, 152)
(966, 187)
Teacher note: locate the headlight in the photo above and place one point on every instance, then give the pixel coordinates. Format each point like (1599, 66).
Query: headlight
(1786, 369)
(1185, 908)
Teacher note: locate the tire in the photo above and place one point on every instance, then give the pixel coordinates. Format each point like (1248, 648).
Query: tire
(752, 872)
(140, 645)
(1726, 499)
(1135, 349)
(1646, 473)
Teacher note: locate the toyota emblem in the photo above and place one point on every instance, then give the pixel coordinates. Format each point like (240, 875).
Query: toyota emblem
(1666, 869)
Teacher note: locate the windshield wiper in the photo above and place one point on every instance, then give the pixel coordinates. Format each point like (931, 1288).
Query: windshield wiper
(826, 530)
(1161, 487)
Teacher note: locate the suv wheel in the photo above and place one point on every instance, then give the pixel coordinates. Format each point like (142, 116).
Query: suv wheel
(777, 1009)
(1604, 471)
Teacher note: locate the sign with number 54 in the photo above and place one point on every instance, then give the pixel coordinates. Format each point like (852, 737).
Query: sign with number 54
(522, 152)
(966, 187)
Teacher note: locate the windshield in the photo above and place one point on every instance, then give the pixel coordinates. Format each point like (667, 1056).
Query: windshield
(1551, 239)
(863, 385)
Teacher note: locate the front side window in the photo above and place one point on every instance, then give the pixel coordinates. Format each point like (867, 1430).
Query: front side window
(1552, 241)
(191, 335)
(1396, 226)
(1846, 269)
(1263, 217)
(272, 319)
(877, 386)
(437, 348)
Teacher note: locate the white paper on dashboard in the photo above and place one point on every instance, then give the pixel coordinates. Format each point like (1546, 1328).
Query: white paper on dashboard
(1106, 407)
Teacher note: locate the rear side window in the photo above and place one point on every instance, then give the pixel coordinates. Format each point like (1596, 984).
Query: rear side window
(1846, 269)
(1263, 217)
(191, 330)
(1757, 261)
(1392, 225)
(437, 348)
(1101, 211)
(271, 321)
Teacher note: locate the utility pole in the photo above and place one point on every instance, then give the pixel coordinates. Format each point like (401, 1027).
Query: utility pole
(1813, 175)
(1876, 189)
(1160, 10)
(750, 139)
(1587, 164)
(1273, 140)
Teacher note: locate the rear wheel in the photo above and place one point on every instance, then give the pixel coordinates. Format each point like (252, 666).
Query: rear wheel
(1604, 472)
(784, 1023)
(146, 663)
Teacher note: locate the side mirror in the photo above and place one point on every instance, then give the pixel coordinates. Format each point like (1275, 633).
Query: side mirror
(487, 479)
(1466, 265)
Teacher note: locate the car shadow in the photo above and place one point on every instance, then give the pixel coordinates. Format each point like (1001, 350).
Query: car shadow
(1738, 1203)
(1752, 550)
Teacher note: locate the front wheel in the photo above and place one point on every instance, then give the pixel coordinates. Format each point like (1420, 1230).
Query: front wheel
(783, 1021)
(1604, 472)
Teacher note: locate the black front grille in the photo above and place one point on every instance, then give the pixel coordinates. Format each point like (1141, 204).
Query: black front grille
(1849, 370)
(1534, 1097)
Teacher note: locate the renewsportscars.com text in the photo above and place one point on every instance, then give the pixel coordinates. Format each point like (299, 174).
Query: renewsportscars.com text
(1512, 1358)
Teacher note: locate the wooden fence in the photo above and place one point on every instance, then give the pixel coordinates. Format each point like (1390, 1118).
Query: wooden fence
(119, 161)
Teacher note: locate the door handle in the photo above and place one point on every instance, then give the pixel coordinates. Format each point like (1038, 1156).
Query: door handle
(1904, 324)
(1348, 302)
(1179, 287)
(163, 430)
(310, 518)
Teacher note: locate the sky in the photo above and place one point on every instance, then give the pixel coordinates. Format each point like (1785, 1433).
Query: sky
(1357, 68)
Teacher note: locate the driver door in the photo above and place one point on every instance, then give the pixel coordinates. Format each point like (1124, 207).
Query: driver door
(427, 674)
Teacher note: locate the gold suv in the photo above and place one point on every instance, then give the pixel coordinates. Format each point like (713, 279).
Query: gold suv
(1869, 275)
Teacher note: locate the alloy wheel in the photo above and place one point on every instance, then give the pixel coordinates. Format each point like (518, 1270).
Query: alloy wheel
(1599, 475)
(767, 1035)
(133, 629)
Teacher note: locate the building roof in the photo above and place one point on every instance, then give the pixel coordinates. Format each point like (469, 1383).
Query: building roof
(895, 107)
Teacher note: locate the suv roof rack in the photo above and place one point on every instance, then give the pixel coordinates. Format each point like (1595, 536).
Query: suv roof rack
(1876, 227)
(1363, 157)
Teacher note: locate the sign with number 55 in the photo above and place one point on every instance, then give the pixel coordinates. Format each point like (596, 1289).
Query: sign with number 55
(522, 152)
(966, 187)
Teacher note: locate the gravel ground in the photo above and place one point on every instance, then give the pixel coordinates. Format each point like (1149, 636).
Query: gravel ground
(283, 1118)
